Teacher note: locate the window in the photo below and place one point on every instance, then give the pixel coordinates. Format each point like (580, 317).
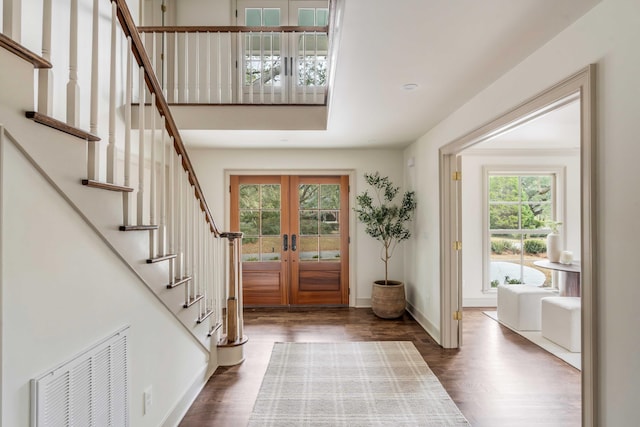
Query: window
(519, 208)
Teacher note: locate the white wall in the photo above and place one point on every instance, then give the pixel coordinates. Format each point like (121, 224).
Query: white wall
(210, 167)
(63, 290)
(473, 202)
(607, 35)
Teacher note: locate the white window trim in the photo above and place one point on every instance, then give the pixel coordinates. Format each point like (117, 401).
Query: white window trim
(558, 202)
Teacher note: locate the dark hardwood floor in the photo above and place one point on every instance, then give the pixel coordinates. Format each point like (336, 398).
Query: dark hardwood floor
(497, 379)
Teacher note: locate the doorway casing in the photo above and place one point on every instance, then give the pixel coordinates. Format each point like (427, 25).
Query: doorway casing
(580, 86)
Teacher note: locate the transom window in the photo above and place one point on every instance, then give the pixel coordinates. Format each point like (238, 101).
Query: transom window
(520, 207)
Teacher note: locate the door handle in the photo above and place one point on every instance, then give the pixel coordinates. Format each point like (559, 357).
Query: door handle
(285, 65)
(285, 243)
(293, 242)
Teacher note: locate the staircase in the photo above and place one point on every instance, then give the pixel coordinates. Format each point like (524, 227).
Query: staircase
(135, 188)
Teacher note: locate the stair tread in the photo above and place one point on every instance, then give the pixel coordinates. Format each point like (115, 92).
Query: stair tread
(178, 282)
(106, 186)
(204, 316)
(43, 119)
(138, 227)
(17, 49)
(161, 258)
(193, 300)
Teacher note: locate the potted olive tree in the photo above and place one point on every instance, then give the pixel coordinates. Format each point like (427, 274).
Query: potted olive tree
(386, 221)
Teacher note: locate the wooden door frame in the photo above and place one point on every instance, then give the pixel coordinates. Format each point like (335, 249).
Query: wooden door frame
(581, 86)
(315, 172)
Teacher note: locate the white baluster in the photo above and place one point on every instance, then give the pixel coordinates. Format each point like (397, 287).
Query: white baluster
(241, 66)
(12, 19)
(162, 231)
(271, 65)
(186, 67)
(127, 135)
(261, 80)
(179, 224)
(93, 147)
(170, 195)
(286, 84)
(152, 178)
(229, 63)
(304, 69)
(219, 78)
(187, 224)
(208, 69)
(164, 59)
(111, 148)
(315, 73)
(251, 68)
(176, 91)
(73, 90)
(197, 61)
(45, 75)
(141, 129)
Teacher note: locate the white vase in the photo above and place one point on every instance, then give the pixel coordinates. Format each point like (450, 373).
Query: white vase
(553, 247)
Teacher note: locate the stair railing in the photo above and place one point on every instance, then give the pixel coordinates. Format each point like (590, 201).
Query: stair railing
(145, 157)
(240, 65)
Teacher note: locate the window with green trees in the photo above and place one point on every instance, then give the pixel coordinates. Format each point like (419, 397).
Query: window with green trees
(519, 208)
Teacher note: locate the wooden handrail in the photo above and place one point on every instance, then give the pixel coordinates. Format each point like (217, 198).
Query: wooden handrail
(128, 26)
(232, 29)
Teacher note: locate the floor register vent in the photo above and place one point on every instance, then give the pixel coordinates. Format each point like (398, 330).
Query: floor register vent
(92, 389)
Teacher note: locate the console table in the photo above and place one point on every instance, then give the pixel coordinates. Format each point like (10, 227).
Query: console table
(570, 287)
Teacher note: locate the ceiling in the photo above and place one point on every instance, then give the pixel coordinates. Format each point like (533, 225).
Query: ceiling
(558, 129)
(450, 49)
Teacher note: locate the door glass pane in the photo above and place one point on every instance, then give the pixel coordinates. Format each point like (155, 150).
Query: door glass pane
(306, 17)
(250, 249)
(312, 60)
(322, 17)
(270, 223)
(250, 222)
(249, 196)
(253, 17)
(309, 222)
(260, 221)
(271, 17)
(308, 248)
(330, 249)
(270, 196)
(308, 196)
(329, 222)
(270, 248)
(330, 196)
(320, 222)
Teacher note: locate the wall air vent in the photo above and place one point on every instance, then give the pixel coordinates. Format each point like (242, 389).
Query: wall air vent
(92, 389)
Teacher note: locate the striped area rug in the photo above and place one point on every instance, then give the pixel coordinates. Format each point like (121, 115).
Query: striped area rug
(383, 383)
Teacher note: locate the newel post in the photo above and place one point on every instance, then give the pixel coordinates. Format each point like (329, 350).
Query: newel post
(231, 344)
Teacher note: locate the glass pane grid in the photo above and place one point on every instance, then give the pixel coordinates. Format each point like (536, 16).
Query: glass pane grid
(520, 207)
(260, 222)
(319, 214)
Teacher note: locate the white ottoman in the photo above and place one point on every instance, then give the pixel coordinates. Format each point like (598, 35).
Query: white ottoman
(561, 321)
(519, 306)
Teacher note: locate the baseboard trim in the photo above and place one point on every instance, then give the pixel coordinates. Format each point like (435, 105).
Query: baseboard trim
(426, 324)
(491, 301)
(363, 302)
(183, 405)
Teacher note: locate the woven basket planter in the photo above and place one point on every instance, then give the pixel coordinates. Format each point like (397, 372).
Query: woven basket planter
(388, 301)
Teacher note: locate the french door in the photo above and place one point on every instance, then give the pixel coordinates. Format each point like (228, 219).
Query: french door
(280, 67)
(295, 245)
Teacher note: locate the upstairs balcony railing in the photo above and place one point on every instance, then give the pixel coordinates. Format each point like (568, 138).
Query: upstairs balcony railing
(240, 65)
